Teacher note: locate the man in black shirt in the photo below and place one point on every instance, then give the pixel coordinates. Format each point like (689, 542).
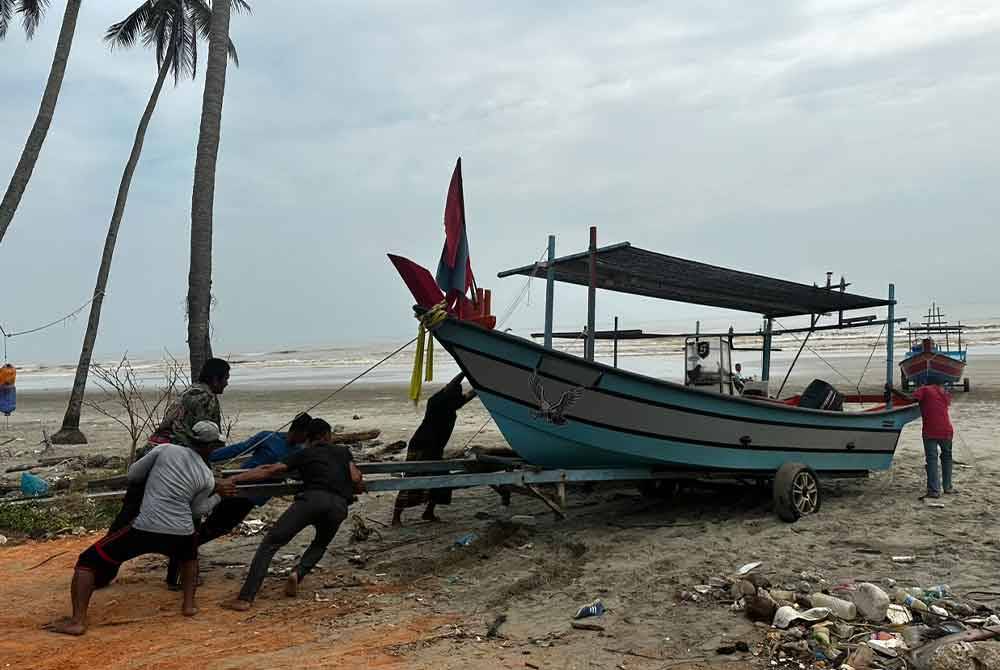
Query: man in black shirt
(329, 481)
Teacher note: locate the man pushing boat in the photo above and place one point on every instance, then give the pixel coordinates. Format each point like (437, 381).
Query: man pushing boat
(329, 481)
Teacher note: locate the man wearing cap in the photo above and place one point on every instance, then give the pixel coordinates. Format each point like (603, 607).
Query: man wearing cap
(199, 402)
(264, 448)
(179, 487)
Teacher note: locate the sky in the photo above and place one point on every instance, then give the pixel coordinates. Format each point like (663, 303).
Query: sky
(785, 138)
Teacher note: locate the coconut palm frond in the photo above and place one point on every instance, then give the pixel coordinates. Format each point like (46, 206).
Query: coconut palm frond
(242, 7)
(31, 14)
(126, 32)
(6, 14)
(202, 14)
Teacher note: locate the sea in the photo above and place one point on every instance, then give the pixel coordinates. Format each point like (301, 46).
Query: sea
(329, 367)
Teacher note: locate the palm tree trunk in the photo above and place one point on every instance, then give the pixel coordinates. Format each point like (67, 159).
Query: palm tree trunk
(203, 195)
(29, 156)
(70, 432)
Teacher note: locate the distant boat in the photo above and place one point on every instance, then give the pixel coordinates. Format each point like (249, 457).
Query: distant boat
(928, 362)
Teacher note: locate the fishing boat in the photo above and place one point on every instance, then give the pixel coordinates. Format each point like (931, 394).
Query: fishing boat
(927, 362)
(564, 413)
(561, 410)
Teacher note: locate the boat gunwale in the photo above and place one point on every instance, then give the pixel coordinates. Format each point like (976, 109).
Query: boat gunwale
(603, 367)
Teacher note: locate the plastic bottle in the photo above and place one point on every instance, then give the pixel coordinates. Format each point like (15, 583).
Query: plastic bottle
(938, 592)
(904, 598)
(841, 609)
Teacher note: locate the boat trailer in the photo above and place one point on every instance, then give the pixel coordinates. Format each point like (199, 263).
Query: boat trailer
(796, 488)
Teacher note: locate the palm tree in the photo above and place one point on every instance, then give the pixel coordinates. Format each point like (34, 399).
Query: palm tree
(172, 28)
(31, 12)
(203, 194)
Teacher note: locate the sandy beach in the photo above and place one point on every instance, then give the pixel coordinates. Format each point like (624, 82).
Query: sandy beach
(419, 601)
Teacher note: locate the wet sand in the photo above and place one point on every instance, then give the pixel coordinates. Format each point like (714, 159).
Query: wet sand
(420, 602)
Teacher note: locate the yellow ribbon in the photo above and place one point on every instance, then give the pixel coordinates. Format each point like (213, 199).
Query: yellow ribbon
(425, 343)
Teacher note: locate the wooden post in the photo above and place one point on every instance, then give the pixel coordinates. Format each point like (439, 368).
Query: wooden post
(592, 295)
(616, 341)
(765, 361)
(550, 291)
(889, 345)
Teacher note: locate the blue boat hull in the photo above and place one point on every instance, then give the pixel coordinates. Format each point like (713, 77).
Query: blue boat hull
(558, 410)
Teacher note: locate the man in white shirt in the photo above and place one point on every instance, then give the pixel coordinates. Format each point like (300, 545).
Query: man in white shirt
(179, 487)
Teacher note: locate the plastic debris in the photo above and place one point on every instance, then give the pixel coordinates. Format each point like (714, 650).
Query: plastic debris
(872, 602)
(3, 540)
(904, 559)
(251, 527)
(841, 609)
(32, 485)
(466, 540)
(749, 567)
(787, 614)
(890, 647)
(898, 615)
(595, 608)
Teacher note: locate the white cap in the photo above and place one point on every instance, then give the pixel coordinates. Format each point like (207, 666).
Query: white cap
(206, 431)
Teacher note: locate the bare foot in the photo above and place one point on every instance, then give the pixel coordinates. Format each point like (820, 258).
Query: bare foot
(237, 605)
(189, 611)
(292, 585)
(67, 626)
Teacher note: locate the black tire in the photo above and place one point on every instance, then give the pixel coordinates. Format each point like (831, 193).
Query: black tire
(905, 383)
(659, 489)
(796, 492)
(965, 384)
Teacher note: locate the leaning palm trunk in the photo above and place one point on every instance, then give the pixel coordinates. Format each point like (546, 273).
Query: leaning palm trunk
(70, 432)
(203, 194)
(29, 156)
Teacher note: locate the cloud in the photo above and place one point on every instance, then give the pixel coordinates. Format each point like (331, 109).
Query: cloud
(776, 137)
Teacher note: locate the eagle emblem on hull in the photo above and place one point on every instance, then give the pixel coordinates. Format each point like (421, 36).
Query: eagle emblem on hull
(552, 412)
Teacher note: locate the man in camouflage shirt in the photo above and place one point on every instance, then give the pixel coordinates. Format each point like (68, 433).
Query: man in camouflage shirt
(199, 402)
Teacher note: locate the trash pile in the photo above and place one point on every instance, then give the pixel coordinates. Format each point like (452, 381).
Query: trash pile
(851, 625)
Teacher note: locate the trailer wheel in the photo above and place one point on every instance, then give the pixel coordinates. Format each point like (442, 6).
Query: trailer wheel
(965, 384)
(796, 492)
(660, 489)
(906, 384)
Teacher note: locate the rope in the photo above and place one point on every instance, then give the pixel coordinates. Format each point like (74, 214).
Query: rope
(509, 312)
(53, 323)
(316, 404)
(815, 353)
(481, 428)
(865, 371)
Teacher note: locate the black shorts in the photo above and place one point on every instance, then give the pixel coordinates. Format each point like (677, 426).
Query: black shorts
(105, 556)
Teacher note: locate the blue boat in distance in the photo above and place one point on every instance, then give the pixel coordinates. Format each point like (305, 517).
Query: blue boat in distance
(928, 362)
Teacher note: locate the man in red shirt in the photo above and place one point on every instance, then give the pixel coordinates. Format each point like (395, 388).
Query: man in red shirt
(937, 432)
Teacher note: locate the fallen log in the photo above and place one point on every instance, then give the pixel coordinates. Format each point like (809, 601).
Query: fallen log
(363, 436)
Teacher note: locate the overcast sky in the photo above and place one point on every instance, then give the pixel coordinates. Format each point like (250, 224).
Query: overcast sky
(858, 136)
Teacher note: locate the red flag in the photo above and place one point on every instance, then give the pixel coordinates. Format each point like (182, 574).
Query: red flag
(454, 272)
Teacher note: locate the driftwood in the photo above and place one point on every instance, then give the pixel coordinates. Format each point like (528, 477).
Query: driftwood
(22, 468)
(363, 436)
(921, 656)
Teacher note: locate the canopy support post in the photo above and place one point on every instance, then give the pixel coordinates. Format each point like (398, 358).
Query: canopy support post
(765, 360)
(889, 346)
(616, 342)
(550, 291)
(591, 296)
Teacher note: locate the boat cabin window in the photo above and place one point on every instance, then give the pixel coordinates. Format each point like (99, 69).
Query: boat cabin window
(708, 364)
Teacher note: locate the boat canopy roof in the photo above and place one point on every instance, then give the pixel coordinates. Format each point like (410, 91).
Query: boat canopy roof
(627, 269)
